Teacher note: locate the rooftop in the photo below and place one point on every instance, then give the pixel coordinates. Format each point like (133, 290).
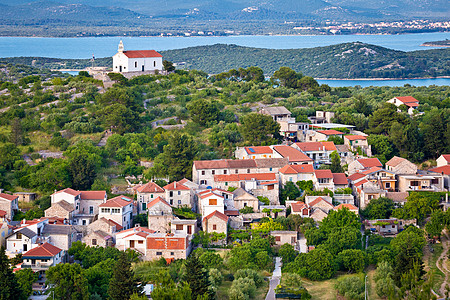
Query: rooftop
(292, 154)
(45, 250)
(141, 53)
(150, 187)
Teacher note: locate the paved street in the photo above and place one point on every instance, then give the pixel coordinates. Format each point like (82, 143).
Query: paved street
(275, 279)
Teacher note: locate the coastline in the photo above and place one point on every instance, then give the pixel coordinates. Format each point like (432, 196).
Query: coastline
(368, 79)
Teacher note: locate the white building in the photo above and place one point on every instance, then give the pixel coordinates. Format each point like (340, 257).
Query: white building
(136, 60)
(118, 209)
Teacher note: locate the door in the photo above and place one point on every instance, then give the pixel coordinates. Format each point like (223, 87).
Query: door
(25, 247)
(189, 229)
(142, 68)
(120, 68)
(131, 244)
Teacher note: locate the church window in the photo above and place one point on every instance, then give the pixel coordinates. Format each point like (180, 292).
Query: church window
(135, 64)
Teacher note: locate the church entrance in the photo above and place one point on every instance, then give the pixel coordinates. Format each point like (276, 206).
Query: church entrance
(142, 68)
(120, 68)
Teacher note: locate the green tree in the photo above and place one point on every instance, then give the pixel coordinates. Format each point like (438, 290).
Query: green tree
(336, 163)
(351, 287)
(123, 283)
(380, 208)
(385, 285)
(67, 282)
(258, 129)
(211, 259)
(418, 206)
(120, 118)
(341, 238)
(289, 191)
(411, 236)
(168, 66)
(286, 77)
(9, 154)
(82, 171)
(16, 136)
(25, 278)
(203, 111)
(381, 147)
(351, 260)
(197, 277)
(166, 289)
(340, 218)
(98, 277)
(380, 122)
(9, 286)
(317, 264)
(436, 224)
(287, 253)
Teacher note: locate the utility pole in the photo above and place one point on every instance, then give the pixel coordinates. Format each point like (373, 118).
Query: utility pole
(365, 288)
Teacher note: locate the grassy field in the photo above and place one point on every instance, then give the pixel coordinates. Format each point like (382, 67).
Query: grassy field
(224, 290)
(430, 259)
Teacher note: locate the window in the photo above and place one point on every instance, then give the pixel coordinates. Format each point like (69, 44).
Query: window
(172, 253)
(290, 178)
(171, 194)
(124, 219)
(214, 227)
(202, 181)
(154, 63)
(91, 210)
(435, 181)
(245, 204)
(270, 169)
(213, 172)
(414, 183)
(224, 172)
(141, 242)
(236, 171)
(212, 201)
(179, 227)
(293, 240)
(179, 193)
(135, 64)
(144, 206)
(277, 238)
(158, 253)
(19, 236)
(189, 229)
(226, 183)
(179, 202)
(151, 196)
(387, 185)
(248, 171)
(94, 242)
(84, 222)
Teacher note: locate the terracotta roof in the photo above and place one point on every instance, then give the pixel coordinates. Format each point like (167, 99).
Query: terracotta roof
(356, 176)
(239, 177)
(409, 101)
(370, 162)
(446, 157)
(176, 186)
(119, 201)
(271, 162)
(111, 223)
(169, 242)
(259, 150)
(217, 214)
(316, 146)
(65, 205)
(211, 164)
(293, 154)
(318, 200)
(395, 161)
(141, 53)
(8, 197)
(330, 132)
(361, 182)
(221, 191)
(355, 137)
(443, 169)
(68, 191)
(348, 205)
(397, 196)
(371, 170)
(150, 187)
(159, 199)
(323, 174)
(269, 182)
(298, 206)
(103, 234)
(45, 250)
(340, 178)
(138, 229)
(231, 213)
(93, 195)
(209, 195)
(2, 213)
(295, 169)
(241, 163)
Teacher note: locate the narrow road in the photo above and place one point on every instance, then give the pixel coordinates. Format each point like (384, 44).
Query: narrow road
(441, 263)
(275, 279)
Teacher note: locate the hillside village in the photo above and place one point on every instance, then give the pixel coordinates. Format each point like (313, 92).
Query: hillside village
(295, 187)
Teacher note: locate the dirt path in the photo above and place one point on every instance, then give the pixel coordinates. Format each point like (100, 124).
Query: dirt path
(441, 263)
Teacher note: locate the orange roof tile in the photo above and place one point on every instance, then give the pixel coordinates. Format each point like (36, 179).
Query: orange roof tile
(371, 170)
(167, 242)
(120, 201)
(316, 146)
(159, 199)
(292, 154)
(323, 174)
(8, 197)
(296, 169)
(319, 199)
(141, 53)
(45, 250)
(176, 186)
(258, 150)
(93, 195)
(150, 187)
(340, 178)
(217, 214)
(138, 229)
(361, 182)
(407, 99)
(209, 195)
(356, 176)
(443, 169)
(330, 132)
(370, 162)
(68, 191)
(355, 137)
(348, 205)
(298, 206)
(211, 164)
(2, 213)
(239, 177)
(446, 157)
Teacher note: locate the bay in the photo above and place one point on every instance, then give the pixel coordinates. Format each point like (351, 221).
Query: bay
(393, 82)
(107, 46)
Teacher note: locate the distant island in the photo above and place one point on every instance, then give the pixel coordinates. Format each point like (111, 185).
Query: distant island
(445, 43)
(344, 61)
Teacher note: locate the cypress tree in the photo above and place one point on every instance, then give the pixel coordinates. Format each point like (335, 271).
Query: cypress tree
(123, 283)
(197, 277)
(9, 288)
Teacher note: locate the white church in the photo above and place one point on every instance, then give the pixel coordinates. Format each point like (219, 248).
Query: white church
(136, 60)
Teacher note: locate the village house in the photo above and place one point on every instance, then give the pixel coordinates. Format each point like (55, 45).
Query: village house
(421, 181)
(61, 236)
(340, 181)
(25, 196)
(253, 152)
(385, 179)
(242, 199)
(215, 222)
(21, 241)
(388, 226)
(366, 190)
(315, 207)
(209, 202)
(147, 193)
(349, 206)
(400, 165)
(355, 142)
(294, 156)
(319, 152)
(285, 237)
(279, 114)
(42, 257)
(295, 173)
(410, 102)
(321, 117)
(160, 215)
(10, 204)
(134, 238)
(443, 160)
(345, 153)
(323, 179)
(118, 209)
(299, 208)
(188, 227)
(148, 61)
(170, 246)
(445, 172)
(61, 209)
(322, 135)
(98, 238)
(362, 164)
(181, 193)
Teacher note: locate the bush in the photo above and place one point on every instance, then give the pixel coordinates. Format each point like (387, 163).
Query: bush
(215, 277)
(246, 210)
(351, 287)
(242, 288)
(249, 273)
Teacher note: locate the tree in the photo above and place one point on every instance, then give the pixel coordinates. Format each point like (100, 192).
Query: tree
(336, 163)
(166, 289)
(380, 122)
(317, 264)
(351, 260)
(380, 208)
(98, 277)
(16, 137)
(340, 218)
(25, 279)
(197, 277)
(9, 153)
(258, 129)
(123, 283)
(385, 285)
(410, 237)
(405, 261)
(381, 146)
(67, 282)
(418, 206)
(286, 77)
(203, 111)
(351, 287)
(210, 259)
(287, 253)
(436, 224)
(242, 288)
(341, 238)
(9, 286)
(121, 118)
(82, 171)
(289, 191)
(168, 66)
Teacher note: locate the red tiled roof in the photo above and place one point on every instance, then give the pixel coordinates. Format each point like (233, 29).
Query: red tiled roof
(348, 205)
(298, 206)
(211, 164)
(167, 242)
(319, 199)
(295, 169)
(443, 169)
(217, 214)
(356, 176)
(316, 146)
(93, 195)
(239, 177)
(209, 195)
(141, 53)
(138, 229)
(117, 202)
(176, 186)
(329, 146)
(370, 162)
(68, 191)
(292, 154)
(407, 99)
(2, 213)
(340, 178)
(8, 197)
(259, 150)
(361, 182)
(446, 157)
(159, 199)
(371, 170)
(150, 187)
(45, 250)
(269, 182)
(323, 174)
(330, 132)
(355, 137)
(231, 213)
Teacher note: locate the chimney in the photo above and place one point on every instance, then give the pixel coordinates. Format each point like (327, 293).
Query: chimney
(175, 184)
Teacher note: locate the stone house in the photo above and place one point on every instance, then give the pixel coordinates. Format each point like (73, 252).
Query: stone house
(42, 257)
(178, 193)
(134, 238)
(253, 152)
(285, 237)
(210, 202)
(21, 241)
(25, 196)
(340, 181)
(295, 173)
(243, 199)
(358, 141)
(366, 190)
(409, 101)
(385, 180)
(323, 179)
(299, 208)
(279, 114)
(10, 204)
(118, 209)
(421, 181)
(98, 238)
(443, 160)
(215, 222)
(445, 172)
(61, 209)
(160, 215)
(294, 156)
(61, 236)
(318, 151)
(322, 135)
(188, 227)
(105, 225)
(170, 246)
(147, 193)
(399, 165)
(362, 164)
